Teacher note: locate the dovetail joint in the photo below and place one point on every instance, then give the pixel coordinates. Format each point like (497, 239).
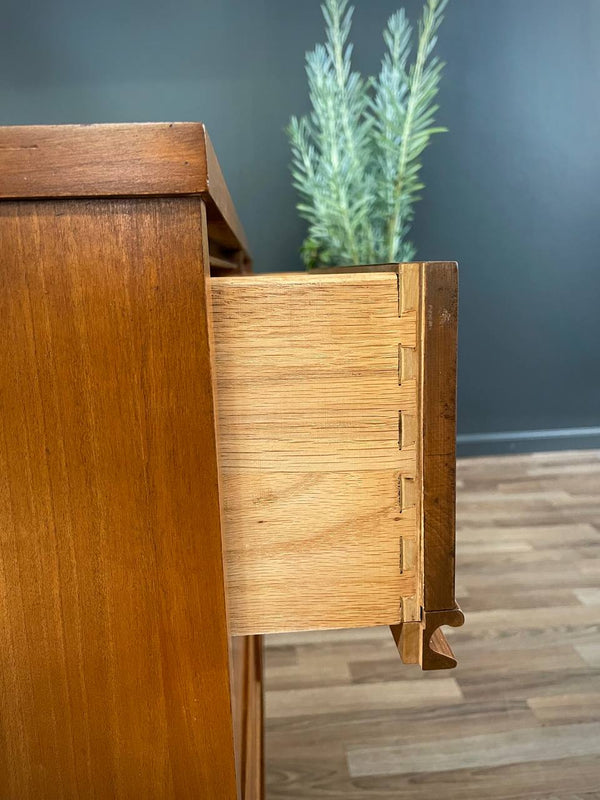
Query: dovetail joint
(407, 430)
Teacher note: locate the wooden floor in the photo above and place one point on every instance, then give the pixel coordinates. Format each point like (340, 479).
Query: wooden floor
(519, 717)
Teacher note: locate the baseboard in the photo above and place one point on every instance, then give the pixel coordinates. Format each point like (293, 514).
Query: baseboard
(484, 444)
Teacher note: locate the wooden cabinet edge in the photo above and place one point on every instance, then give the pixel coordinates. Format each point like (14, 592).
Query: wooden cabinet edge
(109, 160)
(439, 321)
(424, 642)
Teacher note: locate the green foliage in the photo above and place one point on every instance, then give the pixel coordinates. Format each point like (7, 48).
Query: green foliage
(356, 156)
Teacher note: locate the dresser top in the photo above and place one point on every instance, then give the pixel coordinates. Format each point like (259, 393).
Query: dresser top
(118, 160)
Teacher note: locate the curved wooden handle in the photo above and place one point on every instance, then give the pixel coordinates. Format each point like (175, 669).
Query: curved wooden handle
(424, 642)
(437, 653)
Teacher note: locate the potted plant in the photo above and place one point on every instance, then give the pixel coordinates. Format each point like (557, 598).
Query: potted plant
(356, 157)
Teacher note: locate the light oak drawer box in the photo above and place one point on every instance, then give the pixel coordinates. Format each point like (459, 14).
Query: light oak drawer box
(335, 396)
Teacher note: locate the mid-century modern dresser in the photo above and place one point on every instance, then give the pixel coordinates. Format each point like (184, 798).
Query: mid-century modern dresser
(192, 456)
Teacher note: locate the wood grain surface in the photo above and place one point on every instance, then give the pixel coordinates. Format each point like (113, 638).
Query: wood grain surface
(122, 159)
(518, 718)
(430, 290)
(114, 673)
(439, 297)
(337, 426)
(317, 431)
(247, 704)
(434, 290)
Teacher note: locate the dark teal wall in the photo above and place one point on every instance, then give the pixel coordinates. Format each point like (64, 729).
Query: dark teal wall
(513, 191)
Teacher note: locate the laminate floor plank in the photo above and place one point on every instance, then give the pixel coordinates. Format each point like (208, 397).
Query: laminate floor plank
(589, 596)
(471, 752)
(483, 600)
(528, 780)
(563, 708)
(300, 735)
(519, 719)
(344, 699)
(590, 653)
(544, 535)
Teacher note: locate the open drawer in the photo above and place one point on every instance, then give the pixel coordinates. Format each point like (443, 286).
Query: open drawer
(336, 417)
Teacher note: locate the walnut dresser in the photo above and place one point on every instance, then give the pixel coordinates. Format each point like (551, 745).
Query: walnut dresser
(192, 456)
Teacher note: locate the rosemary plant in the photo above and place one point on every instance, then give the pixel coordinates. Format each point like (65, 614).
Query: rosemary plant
(356, 156)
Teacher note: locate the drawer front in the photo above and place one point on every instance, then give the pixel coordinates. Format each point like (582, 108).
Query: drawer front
(321, 435)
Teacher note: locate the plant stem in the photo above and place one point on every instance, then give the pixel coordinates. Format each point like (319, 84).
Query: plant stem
(338, 62)
(416, 77)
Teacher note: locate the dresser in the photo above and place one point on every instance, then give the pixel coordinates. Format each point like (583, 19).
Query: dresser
(192, 456)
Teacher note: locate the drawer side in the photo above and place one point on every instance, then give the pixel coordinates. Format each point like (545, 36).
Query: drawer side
(319, 429)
